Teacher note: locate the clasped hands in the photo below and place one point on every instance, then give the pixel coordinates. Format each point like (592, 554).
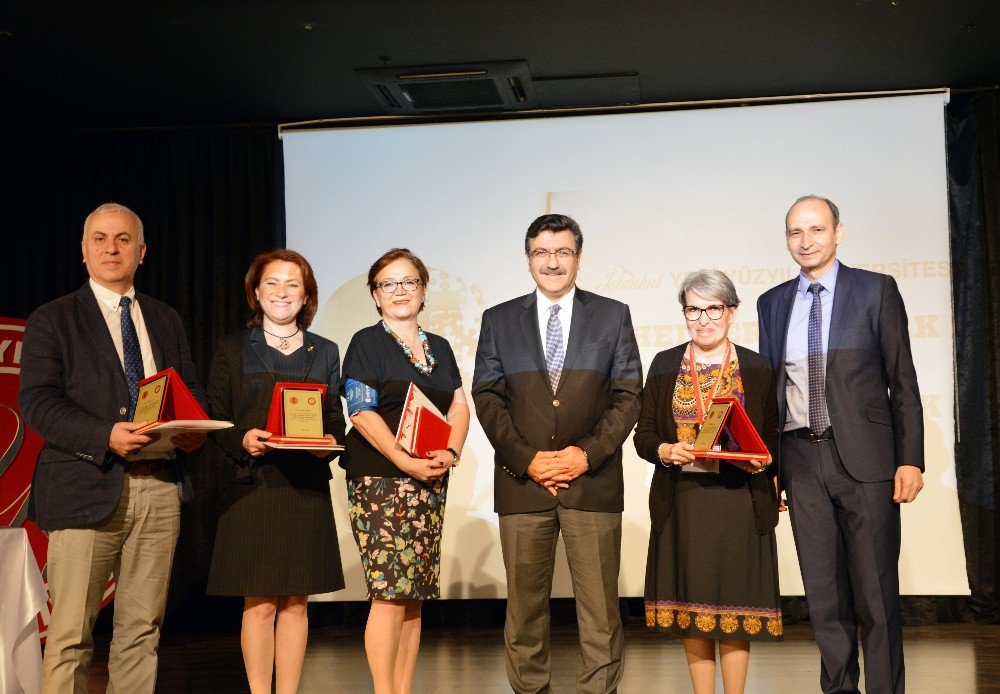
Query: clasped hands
(554, 470)
(123, 441)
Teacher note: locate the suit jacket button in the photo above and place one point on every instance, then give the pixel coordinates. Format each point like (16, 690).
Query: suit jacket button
(552, 438)
(555, 403)
(122, 411)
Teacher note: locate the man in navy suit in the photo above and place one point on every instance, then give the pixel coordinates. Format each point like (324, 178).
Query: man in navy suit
(107, 497)
(852, 448)
(556, 388)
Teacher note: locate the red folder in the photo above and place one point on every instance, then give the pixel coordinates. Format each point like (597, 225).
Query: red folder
(422, 429)
(743, 434)
(276, 415)
(177, 403)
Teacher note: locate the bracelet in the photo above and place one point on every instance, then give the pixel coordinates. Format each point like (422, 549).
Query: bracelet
(457, 459)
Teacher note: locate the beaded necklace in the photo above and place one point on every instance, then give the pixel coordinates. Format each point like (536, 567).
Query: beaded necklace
(425, 369)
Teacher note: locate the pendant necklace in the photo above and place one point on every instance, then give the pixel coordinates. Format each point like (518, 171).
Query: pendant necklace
(283, 341)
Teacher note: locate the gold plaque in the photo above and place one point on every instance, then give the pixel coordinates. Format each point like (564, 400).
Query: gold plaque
(303, 412)
(149, 404)
(715, 419)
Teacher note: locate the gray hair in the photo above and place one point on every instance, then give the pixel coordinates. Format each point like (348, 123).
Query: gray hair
(834, 210)
(118, 209)
(709, 284)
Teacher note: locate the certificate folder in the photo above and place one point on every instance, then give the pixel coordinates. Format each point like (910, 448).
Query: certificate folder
(295, 419)
(422, 427)
(167, 406)
(726, 415)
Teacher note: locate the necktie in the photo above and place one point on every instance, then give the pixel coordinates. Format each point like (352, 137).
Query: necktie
(554, 353)
(819, 416)
(132, 355)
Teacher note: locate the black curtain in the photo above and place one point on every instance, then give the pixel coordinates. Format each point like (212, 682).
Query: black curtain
(974, 202)
(210, 199)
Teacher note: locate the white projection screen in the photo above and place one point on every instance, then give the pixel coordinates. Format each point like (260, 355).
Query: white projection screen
(657, 195)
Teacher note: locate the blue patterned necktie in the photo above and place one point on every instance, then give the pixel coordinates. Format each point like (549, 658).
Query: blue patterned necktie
(819, 416)
(132, 355)
(554, 353)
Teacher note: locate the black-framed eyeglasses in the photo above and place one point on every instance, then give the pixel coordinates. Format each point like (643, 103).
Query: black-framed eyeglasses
(389, 286)
(560, 253)
(715, 311)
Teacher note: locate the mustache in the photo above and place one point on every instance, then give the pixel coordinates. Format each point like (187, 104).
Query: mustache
(547, 271)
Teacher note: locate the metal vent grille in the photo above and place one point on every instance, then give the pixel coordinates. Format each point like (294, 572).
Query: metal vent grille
(458, 94)
(493, 86)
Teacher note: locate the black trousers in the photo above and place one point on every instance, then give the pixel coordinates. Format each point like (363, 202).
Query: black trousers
(847, 536)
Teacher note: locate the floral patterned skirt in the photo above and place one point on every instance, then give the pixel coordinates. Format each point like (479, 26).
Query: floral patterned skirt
(397, 524)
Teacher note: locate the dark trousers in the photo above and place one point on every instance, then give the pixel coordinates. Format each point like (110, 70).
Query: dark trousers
(593, 543)
(847, 537)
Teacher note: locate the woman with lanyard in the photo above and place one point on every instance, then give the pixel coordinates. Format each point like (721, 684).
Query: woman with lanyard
(396, 501)
(276, 543)
(711, 571)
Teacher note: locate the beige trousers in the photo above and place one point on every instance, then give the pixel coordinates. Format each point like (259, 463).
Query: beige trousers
(593, 543)
(136, 543)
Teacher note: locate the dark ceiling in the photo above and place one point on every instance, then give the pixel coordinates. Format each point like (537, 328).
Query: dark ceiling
(97, 64)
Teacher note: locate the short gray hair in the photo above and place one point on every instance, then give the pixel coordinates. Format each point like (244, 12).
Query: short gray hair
(834, 210)
(119, 209)
(709, 284)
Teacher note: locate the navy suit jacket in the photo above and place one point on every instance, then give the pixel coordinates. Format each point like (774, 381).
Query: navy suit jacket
(595, 406)
(73, 391)
(871, 385)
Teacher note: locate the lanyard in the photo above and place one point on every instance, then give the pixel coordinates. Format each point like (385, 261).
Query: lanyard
(699, 404)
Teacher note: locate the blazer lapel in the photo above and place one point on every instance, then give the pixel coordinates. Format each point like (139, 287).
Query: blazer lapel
(259, 348)
(92, 319)
(784, 315)
(155, 330)
(579, 326)
(529, 327)
(842, 299)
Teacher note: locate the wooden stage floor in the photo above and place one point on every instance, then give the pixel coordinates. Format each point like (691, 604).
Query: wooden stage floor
(940, 659)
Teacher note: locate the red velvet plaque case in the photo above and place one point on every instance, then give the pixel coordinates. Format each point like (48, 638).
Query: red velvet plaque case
(276, 416)
(164, 397)
(728, 415)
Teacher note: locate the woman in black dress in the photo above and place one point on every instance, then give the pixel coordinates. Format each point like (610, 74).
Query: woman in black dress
(276, 543)
(712, 568)
(397, 501)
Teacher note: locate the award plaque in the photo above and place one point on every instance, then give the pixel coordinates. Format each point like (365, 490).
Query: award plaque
(152, 397)
(302, 412)
(296, 417)
(726, 415)
(168, 408)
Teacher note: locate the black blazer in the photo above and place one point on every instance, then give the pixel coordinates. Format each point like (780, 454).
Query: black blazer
(241, 384)
(657, 425)
(72, 393)
(871, 385)
(595, 406)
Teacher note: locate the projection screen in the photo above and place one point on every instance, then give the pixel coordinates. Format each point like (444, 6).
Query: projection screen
(657, 194)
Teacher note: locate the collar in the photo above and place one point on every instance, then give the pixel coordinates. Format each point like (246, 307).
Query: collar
(828, 280)
(565, 303)
(108, 298)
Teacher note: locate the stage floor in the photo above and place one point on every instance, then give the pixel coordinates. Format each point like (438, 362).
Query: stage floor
(940, 659)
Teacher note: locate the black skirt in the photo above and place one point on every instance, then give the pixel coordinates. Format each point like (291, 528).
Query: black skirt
(276, 535)
(708, 573)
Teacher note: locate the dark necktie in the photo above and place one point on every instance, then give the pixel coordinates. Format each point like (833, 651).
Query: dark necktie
(132, 355)
(819, 416)
(554, 354)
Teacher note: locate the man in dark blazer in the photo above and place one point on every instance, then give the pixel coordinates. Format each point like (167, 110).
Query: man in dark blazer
(107, 497)
(556, 389)
(852, 447)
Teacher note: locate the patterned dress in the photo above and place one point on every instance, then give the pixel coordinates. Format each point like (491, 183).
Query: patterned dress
(710, 575)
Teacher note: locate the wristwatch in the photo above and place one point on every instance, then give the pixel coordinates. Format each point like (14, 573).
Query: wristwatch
(458, 458)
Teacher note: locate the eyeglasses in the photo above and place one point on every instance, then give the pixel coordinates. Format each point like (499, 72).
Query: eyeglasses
(715, 311)
(560, 253)
(389, 286)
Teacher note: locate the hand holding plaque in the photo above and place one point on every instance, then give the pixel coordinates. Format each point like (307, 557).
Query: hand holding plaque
(169, 408)
(726, 415)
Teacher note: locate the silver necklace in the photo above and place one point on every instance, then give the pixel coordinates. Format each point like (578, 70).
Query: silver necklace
(283, 342)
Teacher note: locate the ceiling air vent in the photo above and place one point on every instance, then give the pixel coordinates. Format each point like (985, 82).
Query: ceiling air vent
(496, 86)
